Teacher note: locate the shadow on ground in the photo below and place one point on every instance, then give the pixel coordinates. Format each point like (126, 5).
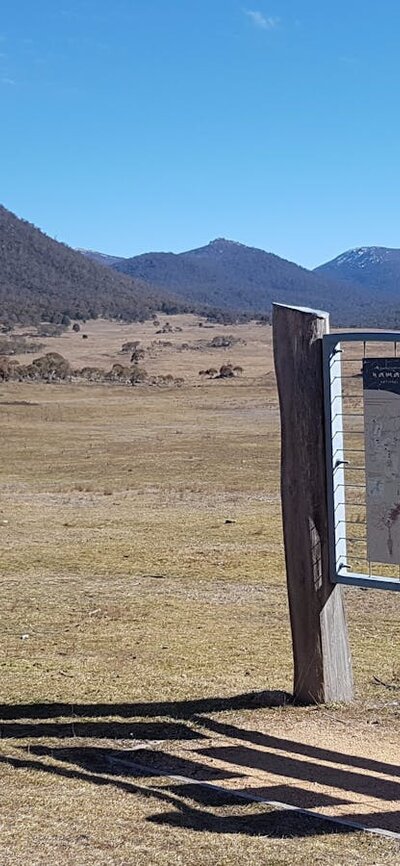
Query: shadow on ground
(194, 805)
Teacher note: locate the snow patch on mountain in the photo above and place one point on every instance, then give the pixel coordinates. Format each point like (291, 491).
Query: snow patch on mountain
(361, 257)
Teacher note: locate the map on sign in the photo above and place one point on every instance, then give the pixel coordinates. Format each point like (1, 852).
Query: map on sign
(381, 384)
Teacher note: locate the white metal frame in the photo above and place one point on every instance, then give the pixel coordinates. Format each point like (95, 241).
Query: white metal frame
(335, 462)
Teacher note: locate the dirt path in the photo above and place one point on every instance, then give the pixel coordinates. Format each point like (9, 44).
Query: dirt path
(347, 770)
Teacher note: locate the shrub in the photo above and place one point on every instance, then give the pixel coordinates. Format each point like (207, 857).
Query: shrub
(49, 329)
(210, 373)
(137, 355)
(50, 367)
(18, 346)
(162, 344)
(137, 374)
(76, 327)
(167, 379)
(118, 373)
(130, 346)
(166, 329)
(5, 369)
(226, 371)
(224, 342)
(92, 374)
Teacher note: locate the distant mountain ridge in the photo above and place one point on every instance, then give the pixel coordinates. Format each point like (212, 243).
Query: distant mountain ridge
(42, 279)
(227, 274)
(377, 269)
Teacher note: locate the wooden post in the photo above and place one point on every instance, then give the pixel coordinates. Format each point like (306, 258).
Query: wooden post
(322, 662)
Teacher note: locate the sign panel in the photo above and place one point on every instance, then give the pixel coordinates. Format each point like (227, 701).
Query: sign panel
(381, 388)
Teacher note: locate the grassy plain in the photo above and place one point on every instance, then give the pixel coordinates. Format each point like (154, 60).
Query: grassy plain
(144, 619)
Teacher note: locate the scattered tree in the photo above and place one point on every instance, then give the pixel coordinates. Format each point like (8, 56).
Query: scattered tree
(226, 371)
(137, 355)
(137, 374)
(130, 346)
(210, 373)
(225, 341)
(18, 346)
(49, 329)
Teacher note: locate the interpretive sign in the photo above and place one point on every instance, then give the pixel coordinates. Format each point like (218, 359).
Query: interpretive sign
(363, 494)
(381, 387)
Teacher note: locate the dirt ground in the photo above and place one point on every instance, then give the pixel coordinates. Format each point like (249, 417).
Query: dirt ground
(145, 631)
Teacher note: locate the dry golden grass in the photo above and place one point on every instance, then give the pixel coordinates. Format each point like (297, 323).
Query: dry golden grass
(126, 595)
(104, 341)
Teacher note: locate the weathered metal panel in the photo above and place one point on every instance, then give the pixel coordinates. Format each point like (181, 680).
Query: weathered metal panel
(381, 386)
(340, 571)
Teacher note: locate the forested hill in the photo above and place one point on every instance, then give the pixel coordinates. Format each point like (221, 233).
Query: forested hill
(41, 279)
(227, 274)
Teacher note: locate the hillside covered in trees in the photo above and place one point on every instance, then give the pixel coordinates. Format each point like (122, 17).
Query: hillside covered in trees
(44, 280)
(227, 274)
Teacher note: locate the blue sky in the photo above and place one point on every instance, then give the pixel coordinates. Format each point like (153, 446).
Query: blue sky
(139, 125)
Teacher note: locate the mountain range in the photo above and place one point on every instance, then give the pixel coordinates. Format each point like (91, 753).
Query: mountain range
(229, 274)
(42, 279)
(359, 287)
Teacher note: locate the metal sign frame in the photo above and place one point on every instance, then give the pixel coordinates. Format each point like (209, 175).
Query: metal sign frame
(335, 458)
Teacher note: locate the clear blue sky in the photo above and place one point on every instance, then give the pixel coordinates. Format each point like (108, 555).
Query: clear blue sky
(136, 125)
